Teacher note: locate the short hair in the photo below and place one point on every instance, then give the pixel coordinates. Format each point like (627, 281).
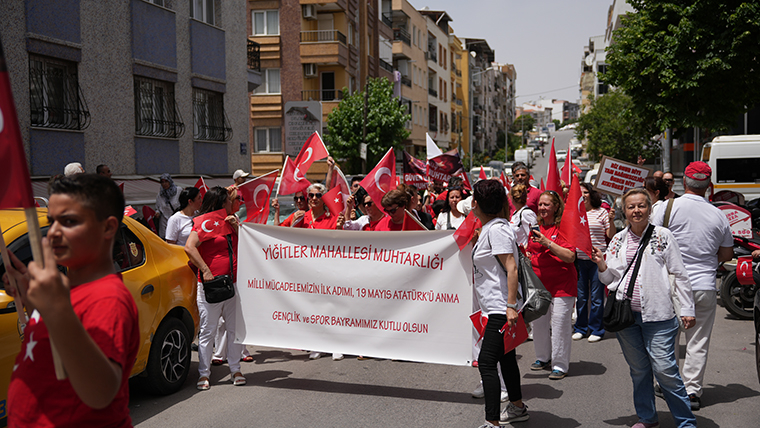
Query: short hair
(186, 195)
(556, 200)
(319, 187)
(455, 182)
(214, 200)
(94, 192)
(594, 198)
(72, 169)
(519, 193)
(636, 191)
(654, 184)
(695, 184)
(438, 207)
(395, 197)
(518, 166)
(356, 178)
(99, 168)
(490, 196)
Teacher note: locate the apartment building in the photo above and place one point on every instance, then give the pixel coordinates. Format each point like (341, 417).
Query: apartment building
(481, 84)
(458, 92)
(311, 50)
(438, 76)
(145, 87)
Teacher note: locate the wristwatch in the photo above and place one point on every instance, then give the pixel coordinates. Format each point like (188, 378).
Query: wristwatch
(512, 306)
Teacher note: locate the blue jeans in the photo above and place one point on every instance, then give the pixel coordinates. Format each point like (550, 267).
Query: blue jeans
(649, 347)
(590, 303)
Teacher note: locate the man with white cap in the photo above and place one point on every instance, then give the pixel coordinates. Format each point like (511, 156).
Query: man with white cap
(239, 176)
(704, 238)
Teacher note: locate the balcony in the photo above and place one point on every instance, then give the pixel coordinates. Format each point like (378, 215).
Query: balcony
(386, 65)
(406, 81)
(324, 47)
(431, 56)
(322, 95)
(254, 56)
(401, 34)
(433, 92)
(323, 36)
(433, 127)
(387, 19)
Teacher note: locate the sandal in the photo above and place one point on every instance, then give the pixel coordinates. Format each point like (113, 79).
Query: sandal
(247, 359)
(217, 362)
(238, 379)
(203, 384)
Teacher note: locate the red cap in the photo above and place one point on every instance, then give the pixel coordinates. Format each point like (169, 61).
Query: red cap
(699, 171)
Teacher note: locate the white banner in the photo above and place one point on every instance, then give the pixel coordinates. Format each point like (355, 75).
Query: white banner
(396, 295)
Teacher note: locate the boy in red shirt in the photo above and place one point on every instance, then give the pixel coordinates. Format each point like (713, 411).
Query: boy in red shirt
(88, 313)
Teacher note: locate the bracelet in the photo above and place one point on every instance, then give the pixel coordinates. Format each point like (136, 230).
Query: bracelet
(550, 244)
(512, 306)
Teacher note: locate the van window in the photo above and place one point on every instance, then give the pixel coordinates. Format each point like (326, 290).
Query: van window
(737, 170)
(706, 153)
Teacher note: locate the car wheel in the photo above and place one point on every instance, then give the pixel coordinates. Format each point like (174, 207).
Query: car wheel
(169, 359)
(738, 299)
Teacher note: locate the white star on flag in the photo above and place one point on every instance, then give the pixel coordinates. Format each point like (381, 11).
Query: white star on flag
(30, 347)
(336, 200)
(583, 221)
(216, 223)
(35, 316)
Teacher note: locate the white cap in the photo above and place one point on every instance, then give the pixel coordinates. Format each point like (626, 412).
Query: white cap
(239, 173)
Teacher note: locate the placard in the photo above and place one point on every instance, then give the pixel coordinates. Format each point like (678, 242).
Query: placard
(616, 177)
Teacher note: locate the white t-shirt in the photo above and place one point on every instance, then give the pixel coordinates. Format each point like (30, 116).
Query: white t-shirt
(443, 224)
(700, 229)
(489, 278)
(357, 224)
(178, 228)
(522, 220)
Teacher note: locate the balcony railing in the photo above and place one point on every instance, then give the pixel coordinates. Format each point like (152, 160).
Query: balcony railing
(322, 95)
(254, 55)
(386, 65)
(433, 92)
(387, 19)
(401, 34)
(406, 81)
(433, 127)
(323, 36)
(431, 55)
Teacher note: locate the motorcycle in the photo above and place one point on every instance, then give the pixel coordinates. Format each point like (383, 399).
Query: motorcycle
(737, 298)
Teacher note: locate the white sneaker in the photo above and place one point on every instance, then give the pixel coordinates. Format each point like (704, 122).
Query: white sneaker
(504, 396)
(315, 355)
(337, 357)
(579, 336)
(594, 338)
(512, 413)
(478, 392)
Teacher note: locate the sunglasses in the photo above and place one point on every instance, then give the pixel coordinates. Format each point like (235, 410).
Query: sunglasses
(368, 204)
(668, 180)
(299, 198)
(391, 211)
(315, 195)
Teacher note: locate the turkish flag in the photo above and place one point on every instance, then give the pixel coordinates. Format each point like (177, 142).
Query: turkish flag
(552, 177)
(465, 180)
(292, 180)
(129, 211)
(201, 186)
(256, 195)
(382, 178)
(574, 224)
(479, 321)
(411, 222)
(414, 172)
(566, 171)
(313, 149)
(542, 188)
(14, 174)
(505, 180)
(339, 192)
(515, 335)
(482, 175)
(744, 270)
(210, 225)
(463, 234)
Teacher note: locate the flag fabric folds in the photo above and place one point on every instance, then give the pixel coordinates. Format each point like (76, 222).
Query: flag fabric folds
(574, 225)
(292, 180)
(256, 194)
(414, 172)
(313, 150)
(552, 176)
(432, 148)
(443, 166)
(339, 192)
(382, 178)
(482, 175)
(515, 335)
(411, 222)
(479, 321)
(466, 230)
(210, 225)
(201, 186)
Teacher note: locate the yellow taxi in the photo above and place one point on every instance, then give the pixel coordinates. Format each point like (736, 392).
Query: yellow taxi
(161, 282)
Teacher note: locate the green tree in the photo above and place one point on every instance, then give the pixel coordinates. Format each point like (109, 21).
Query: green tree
(556, 123)
(612, 128)
(688, 63)
(519, 126)
(386, 125)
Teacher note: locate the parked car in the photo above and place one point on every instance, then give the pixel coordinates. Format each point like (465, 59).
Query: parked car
(561, 155)
(161, 282)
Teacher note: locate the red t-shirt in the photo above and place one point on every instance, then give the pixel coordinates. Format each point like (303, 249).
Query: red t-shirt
(36, 398)
(558, 277)
(215, 252)
(372, 225)
(325, 221)
(386, 225)
(289, 222)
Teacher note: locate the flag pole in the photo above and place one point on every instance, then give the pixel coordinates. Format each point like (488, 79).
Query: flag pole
(35, 241)
(22, 318)
(285, 163)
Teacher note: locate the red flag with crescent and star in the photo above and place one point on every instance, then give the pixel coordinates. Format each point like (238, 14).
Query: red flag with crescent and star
(201, 186)
(211, 225)
(479, 321)
(574, 224)
(17, 184)
(515, 335)
(256, 195)
(382, 178)
(292, 179)
(335, 199)
(744, 270)
(313, 150)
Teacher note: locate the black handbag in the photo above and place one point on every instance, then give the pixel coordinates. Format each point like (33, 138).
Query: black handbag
(618, 314)
(221, 287)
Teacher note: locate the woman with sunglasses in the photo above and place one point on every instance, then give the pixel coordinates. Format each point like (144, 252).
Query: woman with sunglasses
(451, 218)
(212, 258)
(552, 258)
(394, 204)
(318, 216)
(366, 222)
(296, 218)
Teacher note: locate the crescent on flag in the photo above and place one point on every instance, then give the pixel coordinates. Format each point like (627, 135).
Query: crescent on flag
(580, 217)
(381, 172)
(308, 153)
(203, 226)
(2, 121)
(259, 188)
(744, 266)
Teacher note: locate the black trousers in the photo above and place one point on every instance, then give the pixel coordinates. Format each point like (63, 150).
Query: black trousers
(491, 354)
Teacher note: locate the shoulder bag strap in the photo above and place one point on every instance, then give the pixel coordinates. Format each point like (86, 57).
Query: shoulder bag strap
(666, 220)
(639, 253)
(229, 250)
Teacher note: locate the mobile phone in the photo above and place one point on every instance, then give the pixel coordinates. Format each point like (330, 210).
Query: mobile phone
(534, 229)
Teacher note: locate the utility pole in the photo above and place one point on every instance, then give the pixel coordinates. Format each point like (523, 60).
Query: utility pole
(364, 125)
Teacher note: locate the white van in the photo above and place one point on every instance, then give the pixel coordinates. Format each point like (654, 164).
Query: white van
(735, 163)
(525, 156)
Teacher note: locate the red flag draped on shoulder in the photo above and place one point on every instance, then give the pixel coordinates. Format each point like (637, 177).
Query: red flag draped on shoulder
(552, 177)
(14, 175)
(292, 180)
(464, 233)
(482, 175)
(211, 225)
(382, 178)
(256, 195)
(201, 186)
(574, 224)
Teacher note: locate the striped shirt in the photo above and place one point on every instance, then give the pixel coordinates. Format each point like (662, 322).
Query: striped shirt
(598, 223)
(630, 253)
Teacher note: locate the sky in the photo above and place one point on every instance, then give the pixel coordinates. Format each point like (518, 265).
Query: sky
(544, 39)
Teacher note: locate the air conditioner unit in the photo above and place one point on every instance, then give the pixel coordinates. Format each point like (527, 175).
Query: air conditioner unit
(309, 11)
(310, 70)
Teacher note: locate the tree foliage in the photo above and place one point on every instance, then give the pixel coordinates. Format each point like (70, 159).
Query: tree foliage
(386, 125)
(519, 126)
(688, 63)
(612, 128)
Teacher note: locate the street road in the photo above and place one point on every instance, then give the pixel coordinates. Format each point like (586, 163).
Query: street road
(286, 389)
